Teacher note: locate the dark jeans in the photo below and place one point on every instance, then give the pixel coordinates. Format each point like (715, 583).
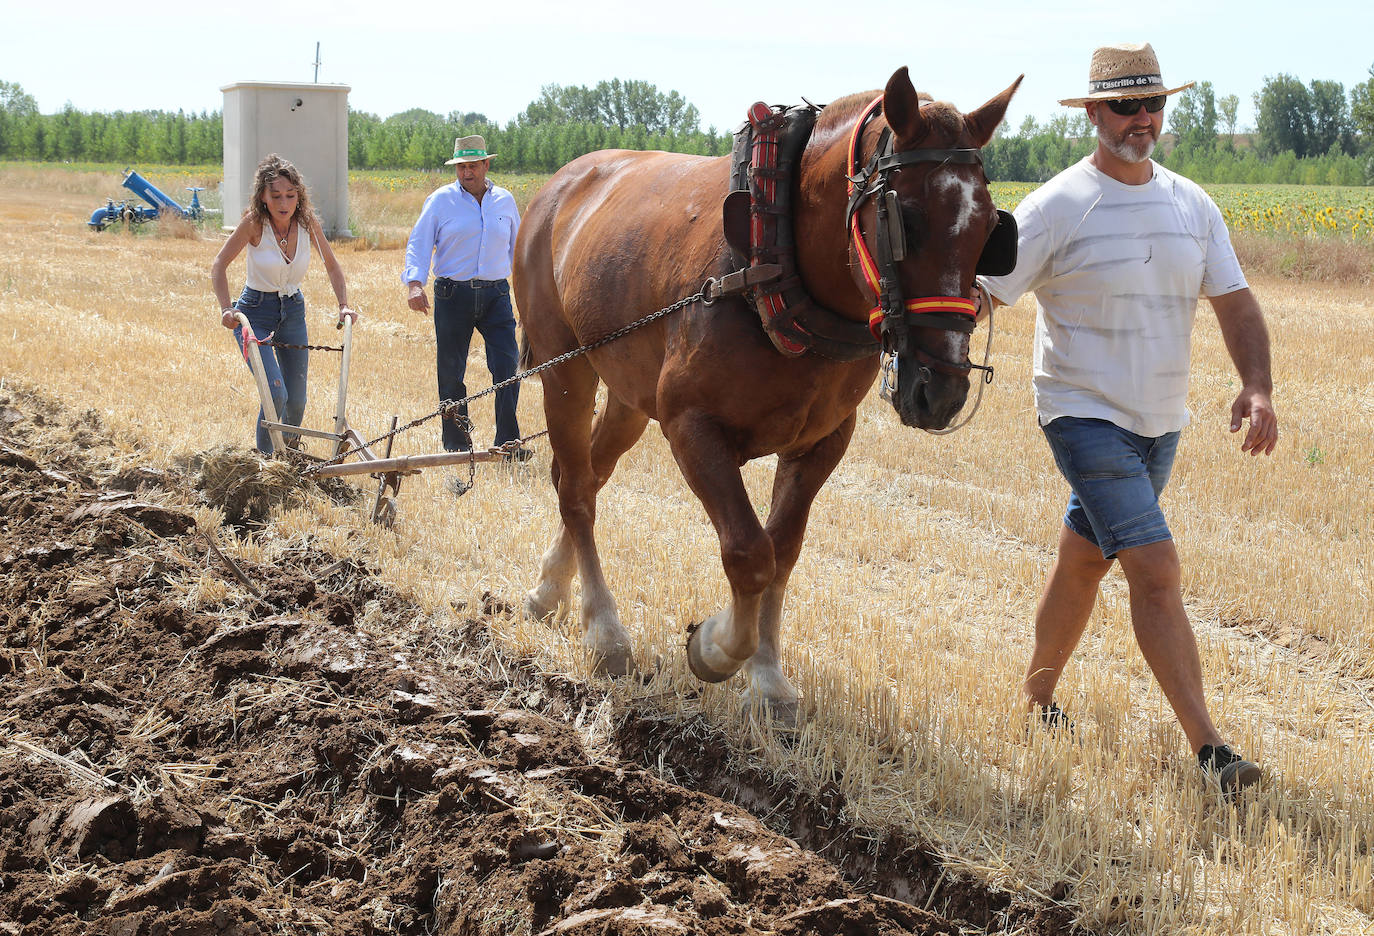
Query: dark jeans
(459, 307)
(286, 369)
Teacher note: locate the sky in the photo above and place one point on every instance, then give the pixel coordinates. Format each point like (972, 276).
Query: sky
(721, 55)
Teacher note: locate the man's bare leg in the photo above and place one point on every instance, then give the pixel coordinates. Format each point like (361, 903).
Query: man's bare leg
(1062, 615)
(1166, 637)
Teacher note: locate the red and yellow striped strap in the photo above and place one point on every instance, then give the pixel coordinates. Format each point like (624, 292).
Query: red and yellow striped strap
(866, 263)
(925, 304)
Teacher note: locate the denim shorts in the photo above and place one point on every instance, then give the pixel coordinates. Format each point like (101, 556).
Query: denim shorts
(1116, 477)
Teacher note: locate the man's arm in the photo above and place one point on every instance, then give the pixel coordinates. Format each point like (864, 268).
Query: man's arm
(419, 253)
(514, 231)
(1247, 341)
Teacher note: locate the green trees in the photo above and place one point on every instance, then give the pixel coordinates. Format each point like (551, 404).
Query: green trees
(1037, 151)
(1193, 117)
(1228, 108)
(1307, 133)
(614, 103)
(557, 127)
(1331, 126)
(1362, 107)
(16, 108)
(123, 136)
(1307, 120)
(1283, 111)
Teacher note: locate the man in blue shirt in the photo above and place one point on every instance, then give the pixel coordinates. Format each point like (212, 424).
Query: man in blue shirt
(467, 231)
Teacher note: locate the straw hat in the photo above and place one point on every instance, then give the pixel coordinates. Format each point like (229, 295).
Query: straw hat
(469, 149)
(1129, 70)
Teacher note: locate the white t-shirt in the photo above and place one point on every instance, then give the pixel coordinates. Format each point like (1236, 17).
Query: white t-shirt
(1117, 271)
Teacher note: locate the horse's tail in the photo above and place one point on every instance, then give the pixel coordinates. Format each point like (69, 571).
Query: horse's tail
(526, 354)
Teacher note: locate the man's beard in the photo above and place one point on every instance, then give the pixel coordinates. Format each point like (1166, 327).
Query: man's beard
(1134, 149)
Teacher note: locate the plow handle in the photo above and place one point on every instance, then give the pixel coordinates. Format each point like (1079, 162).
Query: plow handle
(254, 356)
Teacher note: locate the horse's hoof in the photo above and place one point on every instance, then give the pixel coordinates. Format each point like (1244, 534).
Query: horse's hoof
(785, 715)
(617, 664)
(697, 663)
(536, 611)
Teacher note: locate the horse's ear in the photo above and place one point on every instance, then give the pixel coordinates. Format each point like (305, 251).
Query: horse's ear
(983, 122)
(902, 107)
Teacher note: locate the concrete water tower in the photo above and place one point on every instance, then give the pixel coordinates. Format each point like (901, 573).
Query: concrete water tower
(304, 123)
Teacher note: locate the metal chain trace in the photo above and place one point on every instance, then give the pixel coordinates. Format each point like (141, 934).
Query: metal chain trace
(448, 406)
(300, 347)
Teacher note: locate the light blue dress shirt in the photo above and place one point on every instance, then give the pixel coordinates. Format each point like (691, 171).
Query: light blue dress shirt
(463, 238)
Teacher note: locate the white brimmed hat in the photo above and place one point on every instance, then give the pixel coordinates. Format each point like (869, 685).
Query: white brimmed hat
(469, 149)
(1129, 70)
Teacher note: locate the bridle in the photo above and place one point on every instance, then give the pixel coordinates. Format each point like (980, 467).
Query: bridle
(891, 319)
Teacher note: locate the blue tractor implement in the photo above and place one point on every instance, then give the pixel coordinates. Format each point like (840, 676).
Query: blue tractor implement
(159, 201)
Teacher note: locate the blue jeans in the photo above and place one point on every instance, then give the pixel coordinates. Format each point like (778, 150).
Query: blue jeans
(269, 312)
(459, 307)
(1116, 477)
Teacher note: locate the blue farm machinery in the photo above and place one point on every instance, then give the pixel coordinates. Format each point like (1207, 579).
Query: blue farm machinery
(159, 203)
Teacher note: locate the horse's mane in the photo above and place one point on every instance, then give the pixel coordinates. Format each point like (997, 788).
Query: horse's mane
(841, 114)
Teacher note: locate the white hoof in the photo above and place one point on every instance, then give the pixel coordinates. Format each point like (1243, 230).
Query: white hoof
(705, 658)
(536, 610)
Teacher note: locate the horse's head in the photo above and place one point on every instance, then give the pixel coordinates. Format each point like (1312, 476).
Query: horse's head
(924, 217)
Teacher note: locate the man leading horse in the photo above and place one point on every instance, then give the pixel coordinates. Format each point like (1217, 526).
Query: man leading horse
(1117, 250)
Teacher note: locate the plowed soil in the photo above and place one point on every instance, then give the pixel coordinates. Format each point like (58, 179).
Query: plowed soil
(264, 763)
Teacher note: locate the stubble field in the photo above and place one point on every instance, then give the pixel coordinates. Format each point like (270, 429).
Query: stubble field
(908, 626)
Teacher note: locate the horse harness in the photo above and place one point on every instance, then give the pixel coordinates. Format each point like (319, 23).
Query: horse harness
(757, 217)
(758, 227)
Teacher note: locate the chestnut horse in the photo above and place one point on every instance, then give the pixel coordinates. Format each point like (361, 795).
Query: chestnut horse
(615, 234)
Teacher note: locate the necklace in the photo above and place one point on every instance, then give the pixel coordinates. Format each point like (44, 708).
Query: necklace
(281, 238)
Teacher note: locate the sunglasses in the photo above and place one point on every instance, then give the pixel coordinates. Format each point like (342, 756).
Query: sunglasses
(1131, 106)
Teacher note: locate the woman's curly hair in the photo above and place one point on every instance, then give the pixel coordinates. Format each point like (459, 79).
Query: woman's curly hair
(272, 168)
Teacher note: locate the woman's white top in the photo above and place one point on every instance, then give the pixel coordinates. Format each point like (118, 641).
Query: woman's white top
(268, 268)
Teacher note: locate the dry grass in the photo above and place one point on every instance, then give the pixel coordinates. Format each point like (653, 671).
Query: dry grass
(910, 608)
(1311, 259)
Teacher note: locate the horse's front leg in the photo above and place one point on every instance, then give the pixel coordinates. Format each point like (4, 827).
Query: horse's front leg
(725, 641)
(795, 484)
(569, 397)
(615, 430)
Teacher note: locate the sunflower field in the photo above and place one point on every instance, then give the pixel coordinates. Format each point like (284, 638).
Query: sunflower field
(1286, 210)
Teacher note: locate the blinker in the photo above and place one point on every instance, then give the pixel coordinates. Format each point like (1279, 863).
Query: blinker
(999, 253)
(896, 235)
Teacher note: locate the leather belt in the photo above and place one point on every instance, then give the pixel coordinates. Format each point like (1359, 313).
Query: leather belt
(472, 283)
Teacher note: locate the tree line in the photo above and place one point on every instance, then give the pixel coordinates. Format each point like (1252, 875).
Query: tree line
(1314, 133)
(123, 136)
